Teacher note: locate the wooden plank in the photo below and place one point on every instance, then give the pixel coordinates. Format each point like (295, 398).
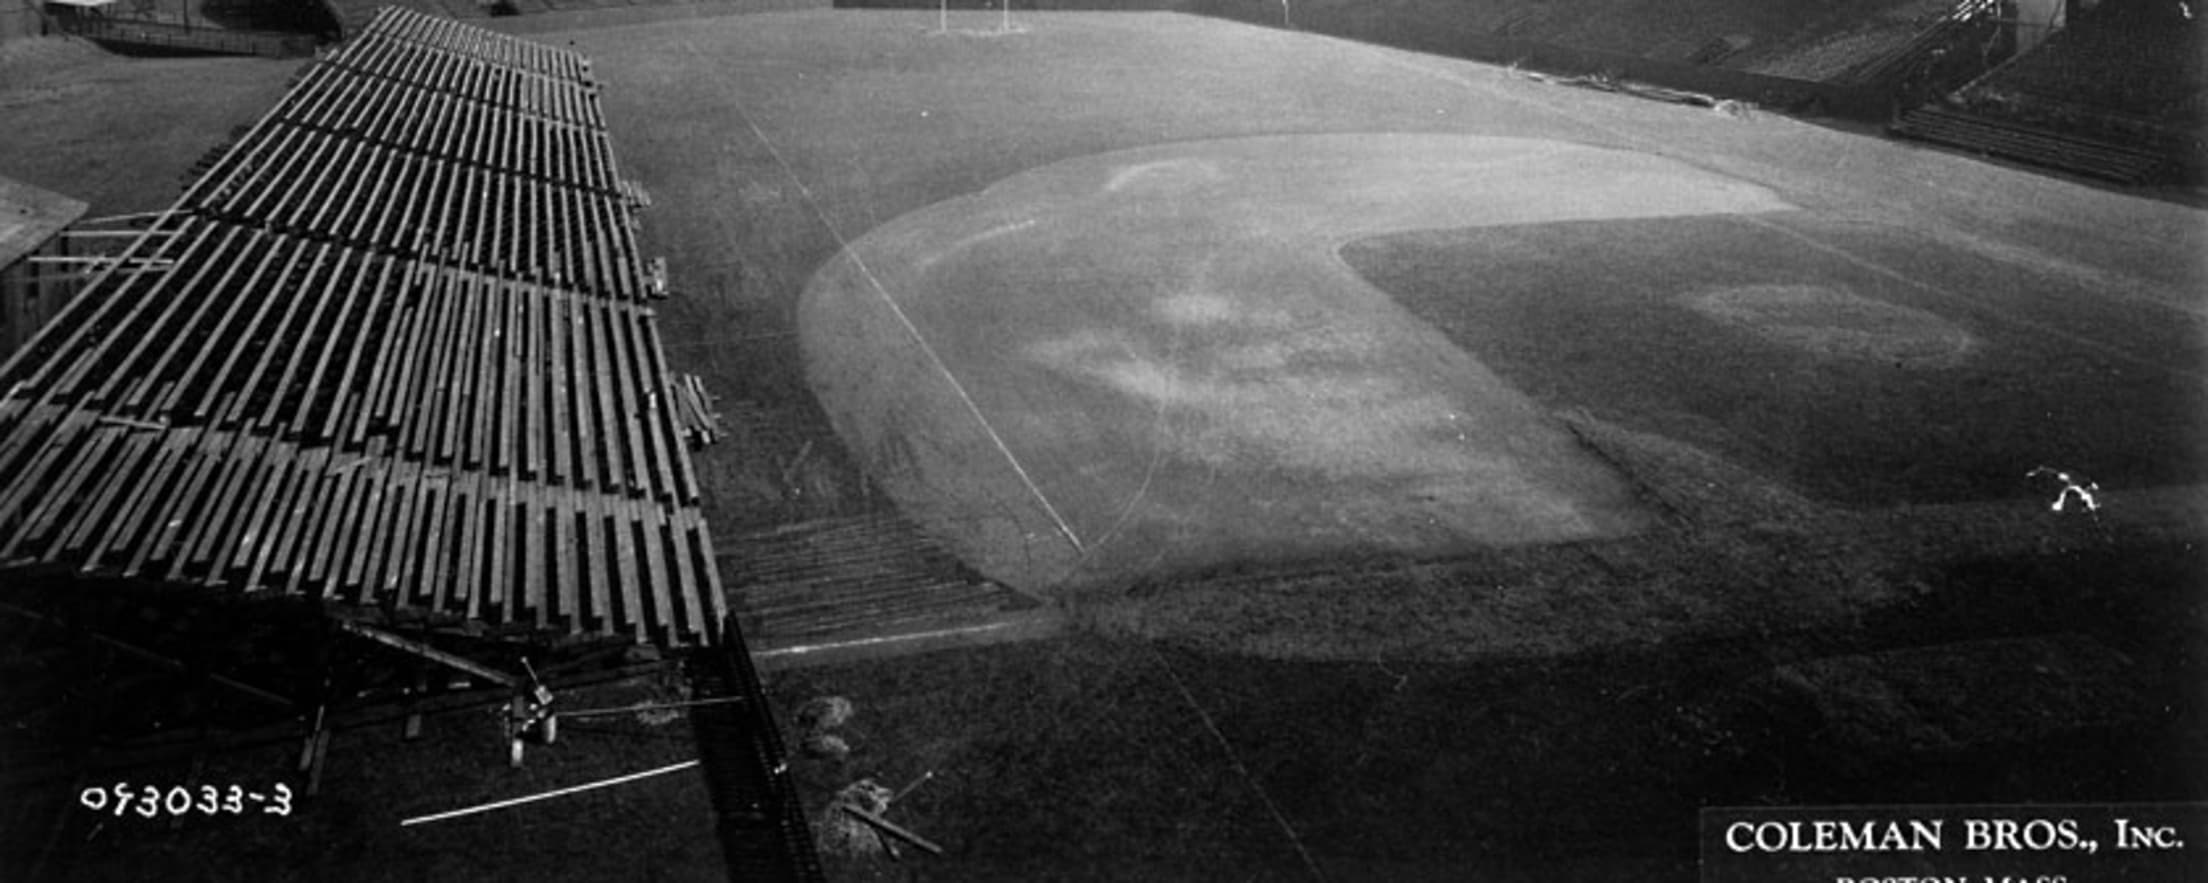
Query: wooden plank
(78, 466)
(390, 223)
(277, 197)
(531, 251)
(123, 538)
(650, 523)
(570, 432)
(266, 292)
(220, 504)
(511, 357)
(468, 579)
(626, 570)
(466, 203)
(314, 561)
(597, 563)
(681, 472)
(540, 425)
(400, 555)
(285, 341)
(485, 374)
(563, 542)
(431, 397)
(499, 603)
(708, 567)
(402, 363)
(436, 550)
(124, 378)
(195, 371)
(100, 511)
(632, 411)
(380, 313)
(531, 522)
(258, 529)
(605, 418)
(464, 403)
(433, 228)
(373, 214)
(106, 302)
(275, 553)
(353, 538)
(43, 440)
(208, 453)
(24, 438)
(662, 439)
(503, 228)
(685, 580)
(352, 276)
(255, 188)
(322, 210)
(147, 365)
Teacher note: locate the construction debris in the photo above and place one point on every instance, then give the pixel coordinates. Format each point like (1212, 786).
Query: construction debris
(846, 833)
(695, 418)
(885, 826)
(824, 713)
(814, 720)
(825, 746)
(1607, 82)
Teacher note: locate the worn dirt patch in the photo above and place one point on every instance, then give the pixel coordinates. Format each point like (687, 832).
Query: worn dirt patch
(1823, 320)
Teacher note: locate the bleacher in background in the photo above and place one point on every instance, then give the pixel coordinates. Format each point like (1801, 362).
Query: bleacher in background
(2123, 61)
(2118, 95)
(354, 15)
(393, 348)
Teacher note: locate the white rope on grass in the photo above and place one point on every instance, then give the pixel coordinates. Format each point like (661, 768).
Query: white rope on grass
(572, 789)
(1235, 758)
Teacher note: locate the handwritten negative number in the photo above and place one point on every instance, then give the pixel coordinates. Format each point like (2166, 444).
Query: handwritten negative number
(151, 801)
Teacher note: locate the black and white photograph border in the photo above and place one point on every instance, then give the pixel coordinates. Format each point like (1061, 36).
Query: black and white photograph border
(1170, 440)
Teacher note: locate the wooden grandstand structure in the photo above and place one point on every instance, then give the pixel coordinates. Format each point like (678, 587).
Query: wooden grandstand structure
(394, 348)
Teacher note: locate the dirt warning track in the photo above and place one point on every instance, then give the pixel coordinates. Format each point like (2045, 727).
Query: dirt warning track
(1146, 360)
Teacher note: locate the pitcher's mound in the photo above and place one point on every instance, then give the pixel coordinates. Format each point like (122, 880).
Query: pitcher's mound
(1826, 321)
(1120, 365)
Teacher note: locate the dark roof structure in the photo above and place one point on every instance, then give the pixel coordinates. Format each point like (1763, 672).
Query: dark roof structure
(393, 348)
(29, 216)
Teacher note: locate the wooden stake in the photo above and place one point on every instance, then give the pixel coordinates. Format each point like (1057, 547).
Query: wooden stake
(892, 829)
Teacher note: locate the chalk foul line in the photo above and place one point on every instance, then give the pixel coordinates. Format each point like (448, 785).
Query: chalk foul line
(882, 291)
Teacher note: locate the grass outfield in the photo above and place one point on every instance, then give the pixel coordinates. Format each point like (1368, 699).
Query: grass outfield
(1600, 315)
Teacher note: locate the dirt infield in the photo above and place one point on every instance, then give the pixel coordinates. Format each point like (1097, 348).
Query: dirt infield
(1113, 367)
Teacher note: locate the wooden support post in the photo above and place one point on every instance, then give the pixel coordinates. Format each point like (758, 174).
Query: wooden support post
(432, 654)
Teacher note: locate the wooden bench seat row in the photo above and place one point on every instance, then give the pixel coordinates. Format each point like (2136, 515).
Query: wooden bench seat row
(314, 343)
(399, 24)
(454, 163)
(453, 127)
(255, 514)
(420, 206)
(521, 91)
